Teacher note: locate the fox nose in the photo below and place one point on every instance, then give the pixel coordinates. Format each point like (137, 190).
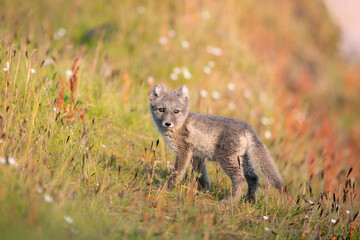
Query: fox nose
(167, 124)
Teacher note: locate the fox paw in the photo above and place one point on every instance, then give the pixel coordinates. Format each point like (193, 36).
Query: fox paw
(170, 186)
(248, 198)
(234, 200)
(171, 183)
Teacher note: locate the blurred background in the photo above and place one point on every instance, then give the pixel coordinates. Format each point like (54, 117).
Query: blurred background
(289, 68)
(344, 14)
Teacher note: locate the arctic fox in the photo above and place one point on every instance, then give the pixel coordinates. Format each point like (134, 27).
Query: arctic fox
(196, 137)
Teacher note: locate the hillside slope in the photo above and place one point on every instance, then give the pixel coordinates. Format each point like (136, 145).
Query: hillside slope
(79, 156)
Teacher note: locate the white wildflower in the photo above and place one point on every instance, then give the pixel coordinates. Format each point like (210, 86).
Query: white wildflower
(7, 66)
(168, 218)
(48, 198)
(2, 160)
(333, 221)
(1, 141)
(268, 134)
(216, 95)
(174, 76)
(150, 80)
(184, 69)
(185, 44)
(207, 70)
(141, 10)
(231, 106)
(265, 217)
(231, 86)
(205, 15)
(54, 109)
(267, 229)
(39, 190)
(247, 94)
(107, 71)
(68, 219)
(211, 64)
(214, 50)
(186, 73)
(60, 33)
(203, 93)
(347, 212)
(103, 145)
(32, 71)
(265, 121)
(163, 40)
(68, 73)
(311, 202)
(177, 70)
(172, 33)
(12, 161)
(306, 216)
(48, 61)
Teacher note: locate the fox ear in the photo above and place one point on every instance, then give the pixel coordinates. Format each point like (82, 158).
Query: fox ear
(183, 92)
(157, 91)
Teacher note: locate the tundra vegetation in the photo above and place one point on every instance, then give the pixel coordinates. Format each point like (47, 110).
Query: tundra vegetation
(81, 158)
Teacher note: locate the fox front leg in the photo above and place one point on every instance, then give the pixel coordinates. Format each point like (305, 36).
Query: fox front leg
(182, 161)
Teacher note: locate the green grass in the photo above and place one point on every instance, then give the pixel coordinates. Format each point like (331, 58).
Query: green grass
(96, 159)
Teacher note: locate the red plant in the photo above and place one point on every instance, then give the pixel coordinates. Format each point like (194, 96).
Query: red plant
(73, 80)
(76, 111)
(60, 102)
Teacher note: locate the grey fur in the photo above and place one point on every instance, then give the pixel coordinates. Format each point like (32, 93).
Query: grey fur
(232, 143)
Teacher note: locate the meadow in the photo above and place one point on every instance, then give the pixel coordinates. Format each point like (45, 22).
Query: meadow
(80, 157)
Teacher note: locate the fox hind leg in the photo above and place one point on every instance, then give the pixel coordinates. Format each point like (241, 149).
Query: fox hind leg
(233, 168)
(251, 178)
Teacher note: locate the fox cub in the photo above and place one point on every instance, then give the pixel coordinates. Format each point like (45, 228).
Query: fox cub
(196, 137)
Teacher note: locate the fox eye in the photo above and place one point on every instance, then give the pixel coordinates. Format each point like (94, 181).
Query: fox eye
(176, 111)
(161, 109)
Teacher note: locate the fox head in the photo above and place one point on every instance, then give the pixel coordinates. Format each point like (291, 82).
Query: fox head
(169, 109)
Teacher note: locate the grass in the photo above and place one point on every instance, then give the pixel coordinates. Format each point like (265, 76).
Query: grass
(81, 157)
